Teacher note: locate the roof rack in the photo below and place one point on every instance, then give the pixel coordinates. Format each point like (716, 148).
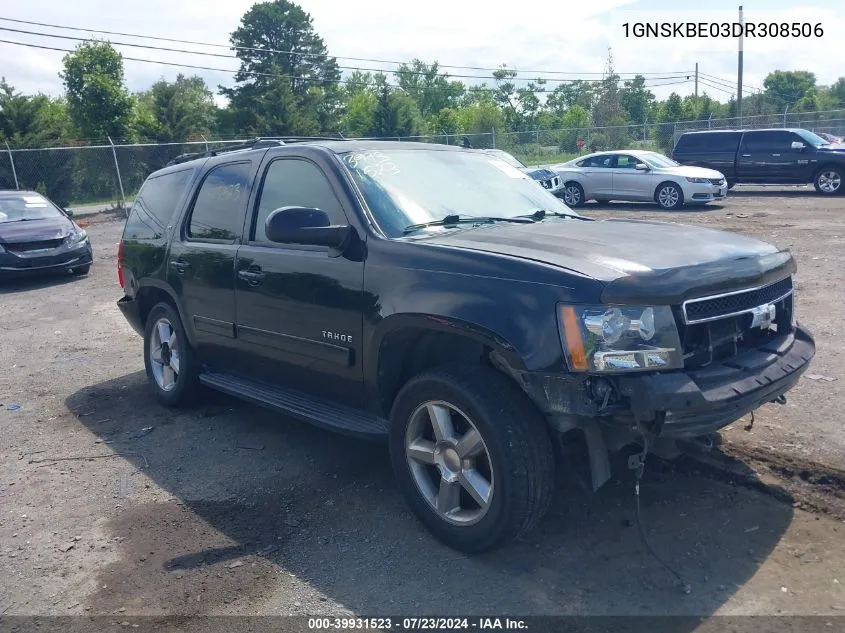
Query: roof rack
(256, 143)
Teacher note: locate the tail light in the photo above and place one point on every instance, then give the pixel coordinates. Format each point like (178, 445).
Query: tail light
(120, 263)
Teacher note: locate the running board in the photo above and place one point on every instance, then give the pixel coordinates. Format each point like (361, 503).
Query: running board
(333, 417)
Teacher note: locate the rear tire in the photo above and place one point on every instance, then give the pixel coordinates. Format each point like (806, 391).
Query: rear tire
(572, 194)
(172, 368)
(669, 196)
(828, 181)
(487, 475)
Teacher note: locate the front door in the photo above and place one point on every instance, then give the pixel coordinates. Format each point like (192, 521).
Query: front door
(201, 263)
(630, 183)
(299, 314)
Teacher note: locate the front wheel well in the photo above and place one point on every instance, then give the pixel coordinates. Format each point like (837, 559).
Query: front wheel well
(408, 352)
(837, 166)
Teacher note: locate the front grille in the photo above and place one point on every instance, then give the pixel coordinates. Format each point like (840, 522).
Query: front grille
(717, 181)
(547, 184)
(717, 307)
(24, 247)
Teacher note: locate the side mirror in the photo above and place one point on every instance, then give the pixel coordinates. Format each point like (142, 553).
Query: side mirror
(798, 145)
(304, 225)
(69, 213)
(641, 167)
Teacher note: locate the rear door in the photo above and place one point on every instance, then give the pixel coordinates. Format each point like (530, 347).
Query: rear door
(201, 261)
(596, 175)
(756, 159)
(299, 314)
(630, 183)
(714, 150)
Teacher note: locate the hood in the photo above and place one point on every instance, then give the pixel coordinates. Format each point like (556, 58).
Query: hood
(540, 173)
(631, 252)
(693, 172)
(35, 230)
(838, 148)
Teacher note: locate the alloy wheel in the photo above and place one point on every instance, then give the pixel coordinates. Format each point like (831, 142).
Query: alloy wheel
(164, 354)
(571, 195)
(449, 462)
(668, 197)
(829, 181)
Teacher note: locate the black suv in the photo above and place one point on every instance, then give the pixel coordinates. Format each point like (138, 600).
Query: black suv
(439, 298)
(787, 156)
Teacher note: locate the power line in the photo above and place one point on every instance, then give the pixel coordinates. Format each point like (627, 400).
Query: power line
(279, 52)
(357, 68)
(252, 73)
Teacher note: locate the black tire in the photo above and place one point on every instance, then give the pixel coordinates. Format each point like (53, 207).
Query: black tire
(731, 185)
(517, 441)
(830, 180)
(678, 199)
(576, 194)
(187, 385)
(81, 270)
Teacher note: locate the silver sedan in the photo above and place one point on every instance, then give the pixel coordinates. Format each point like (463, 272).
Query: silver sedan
(638, 176)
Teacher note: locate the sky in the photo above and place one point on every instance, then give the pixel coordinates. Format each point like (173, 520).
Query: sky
(571, 37)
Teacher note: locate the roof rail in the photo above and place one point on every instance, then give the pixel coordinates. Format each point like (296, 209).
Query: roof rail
(256, 143)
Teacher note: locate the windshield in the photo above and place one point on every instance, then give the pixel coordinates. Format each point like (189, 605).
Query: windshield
(511, 160)
(403, 187)
(26, 206)
(658, 160)
(812, 139)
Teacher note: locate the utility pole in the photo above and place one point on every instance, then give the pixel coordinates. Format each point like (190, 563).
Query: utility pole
(739, 69)
(696, 88)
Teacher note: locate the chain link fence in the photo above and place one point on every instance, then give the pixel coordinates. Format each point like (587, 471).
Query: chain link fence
(110, 174)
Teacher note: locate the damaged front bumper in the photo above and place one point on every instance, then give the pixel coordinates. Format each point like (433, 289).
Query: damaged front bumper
(617, 410)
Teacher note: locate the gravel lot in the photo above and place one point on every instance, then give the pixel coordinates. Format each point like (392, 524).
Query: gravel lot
(111, 504)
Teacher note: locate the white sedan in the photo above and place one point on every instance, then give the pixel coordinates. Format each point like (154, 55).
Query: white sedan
(638, 176)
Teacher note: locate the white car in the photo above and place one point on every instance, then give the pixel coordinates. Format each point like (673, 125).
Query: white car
(638, 176)
(547, 178)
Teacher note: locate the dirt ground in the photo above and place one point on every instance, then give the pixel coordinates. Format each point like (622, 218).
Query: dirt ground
(113, 505)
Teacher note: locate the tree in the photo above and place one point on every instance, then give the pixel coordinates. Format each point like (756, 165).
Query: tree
(395, 114)
(566, 95)
(837, 92)
(97, 100)
(670, 111)
(431, 89)
(785, 87)
(636, 100)
(359, 119)
(608, 111)
(286, 83)
(177, 110)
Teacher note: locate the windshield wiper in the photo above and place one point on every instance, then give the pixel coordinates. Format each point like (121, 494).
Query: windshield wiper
(454, 218)
(539, 214)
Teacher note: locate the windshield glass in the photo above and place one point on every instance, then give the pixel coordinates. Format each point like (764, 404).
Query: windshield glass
(812, 139)
(511, 160)
(658, 160)
(403, 187)
(26, 206)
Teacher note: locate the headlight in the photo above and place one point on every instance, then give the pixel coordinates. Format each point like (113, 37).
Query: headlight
(698, 180)
(77, 237)
(619, 338)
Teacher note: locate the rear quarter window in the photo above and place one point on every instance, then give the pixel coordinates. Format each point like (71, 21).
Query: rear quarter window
(707, 142)
(160, 196)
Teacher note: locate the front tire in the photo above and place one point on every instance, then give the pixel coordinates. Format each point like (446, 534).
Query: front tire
(471, 455)
(669, 196)
(828, 181)
(171, 364)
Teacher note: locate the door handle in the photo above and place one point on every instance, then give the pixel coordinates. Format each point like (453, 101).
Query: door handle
(179, 265)
(253, 276)
(775, 154)
(746, 155)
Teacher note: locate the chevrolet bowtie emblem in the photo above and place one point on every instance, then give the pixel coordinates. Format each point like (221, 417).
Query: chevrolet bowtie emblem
(763, 316)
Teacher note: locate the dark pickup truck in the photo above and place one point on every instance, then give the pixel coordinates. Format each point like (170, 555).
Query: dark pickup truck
(785, 156)
(438, 298)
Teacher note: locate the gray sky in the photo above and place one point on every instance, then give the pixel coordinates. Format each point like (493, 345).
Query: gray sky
(570, 37)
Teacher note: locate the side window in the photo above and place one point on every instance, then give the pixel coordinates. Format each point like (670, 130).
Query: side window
(774, 141)
(159, 195)
(295, 182)
(603, 160)
(624, 161)
(218, 212)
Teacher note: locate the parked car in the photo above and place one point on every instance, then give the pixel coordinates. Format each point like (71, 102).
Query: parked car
(546, 177)
(426, 295)
(38, 236)
(783, 156)
(638, 176)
